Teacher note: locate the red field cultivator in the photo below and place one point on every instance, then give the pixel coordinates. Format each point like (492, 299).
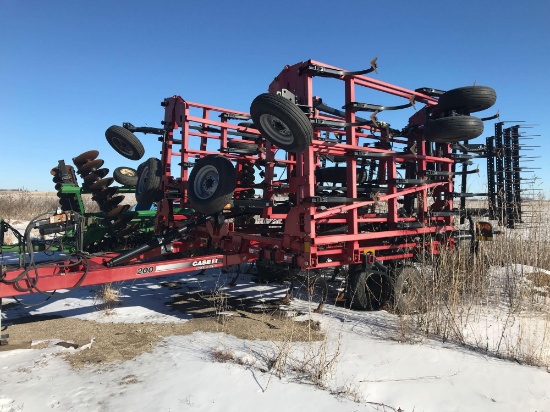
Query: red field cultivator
(302, 188)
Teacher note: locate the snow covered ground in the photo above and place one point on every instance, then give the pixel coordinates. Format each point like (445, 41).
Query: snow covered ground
(360, 366)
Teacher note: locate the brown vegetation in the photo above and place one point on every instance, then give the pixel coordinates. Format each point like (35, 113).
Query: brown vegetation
(496, 301)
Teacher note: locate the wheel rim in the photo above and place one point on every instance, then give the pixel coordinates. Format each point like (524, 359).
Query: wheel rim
(127, 172)
(276, 129)
(122, 146)
(206, 182)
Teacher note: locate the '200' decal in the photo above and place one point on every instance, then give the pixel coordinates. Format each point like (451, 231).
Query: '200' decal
(145, 270)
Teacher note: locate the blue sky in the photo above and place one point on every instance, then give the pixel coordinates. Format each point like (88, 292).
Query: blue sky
(70, 69)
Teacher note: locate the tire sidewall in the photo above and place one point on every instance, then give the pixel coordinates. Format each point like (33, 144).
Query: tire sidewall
(148, 188)
(469, 99)
(289, 114)
(453, 129)
(116, 135)
(409, 278)
(223, 193)
(124, 179)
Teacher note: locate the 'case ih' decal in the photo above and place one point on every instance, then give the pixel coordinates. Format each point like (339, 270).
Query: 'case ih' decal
(201, 264)
(205, 262)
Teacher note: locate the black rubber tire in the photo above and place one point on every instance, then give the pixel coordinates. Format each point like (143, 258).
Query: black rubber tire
(148, 185)
(211, 184)
(338, 175)
(408, 291)
(140, 168)
(281, 122)
(125, 142)
(242, 148)
(367, 290)
(126, 176)
(469, 99)
(453, 129)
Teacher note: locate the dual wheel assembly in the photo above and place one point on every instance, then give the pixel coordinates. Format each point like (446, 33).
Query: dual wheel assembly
(211, 183)
(286, 126)
(148, 176)
(213, 179)
(455, 123)
(401, 288)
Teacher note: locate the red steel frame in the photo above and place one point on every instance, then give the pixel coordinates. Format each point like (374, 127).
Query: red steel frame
(297, 239)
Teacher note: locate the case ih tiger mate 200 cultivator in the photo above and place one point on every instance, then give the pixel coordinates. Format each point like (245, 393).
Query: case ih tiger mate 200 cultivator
(306, 190)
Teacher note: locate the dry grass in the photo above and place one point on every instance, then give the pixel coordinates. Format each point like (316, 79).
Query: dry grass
(496, 301)
(107, 296)
(298, 355)
(24, 205)
(538, 279)
(302, 351)
(222, 355)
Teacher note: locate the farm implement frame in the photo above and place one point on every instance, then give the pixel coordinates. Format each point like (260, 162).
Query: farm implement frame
(302, 187)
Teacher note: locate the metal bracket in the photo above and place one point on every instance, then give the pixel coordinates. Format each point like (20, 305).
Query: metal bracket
(430, 91)
(143, 129)
(319, 105)
(368, 107)
(333, 199)
(470, 147)
(288, 95)
(234, 116)
(446, 213)
(322, 71)
(4, 227)
(332, 123)
(460, 156)
(413, 181)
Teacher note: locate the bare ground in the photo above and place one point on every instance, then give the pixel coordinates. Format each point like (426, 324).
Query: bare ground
(121, 341)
